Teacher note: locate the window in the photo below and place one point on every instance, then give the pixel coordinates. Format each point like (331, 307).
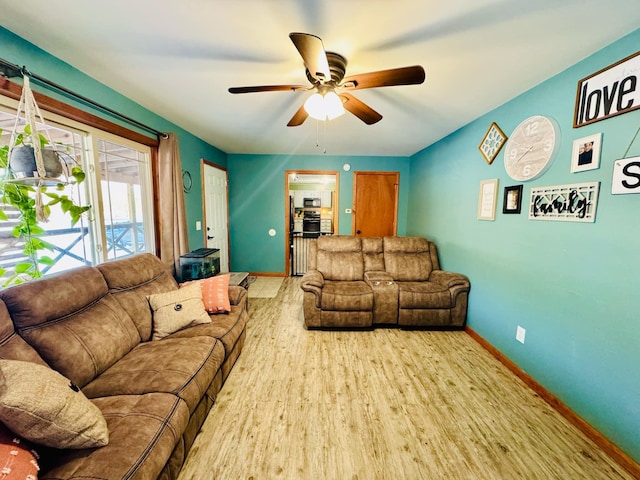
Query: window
(118, 187)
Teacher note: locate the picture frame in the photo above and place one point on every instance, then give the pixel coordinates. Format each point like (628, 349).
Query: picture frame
(492, 143)
(512, 201)
(585, 154)
(487, 199)
(617, 81)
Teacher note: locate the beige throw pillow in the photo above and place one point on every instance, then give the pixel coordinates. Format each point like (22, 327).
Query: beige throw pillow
(177, 309)
(43, 406)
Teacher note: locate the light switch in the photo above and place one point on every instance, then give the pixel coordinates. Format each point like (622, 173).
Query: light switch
(198, 225)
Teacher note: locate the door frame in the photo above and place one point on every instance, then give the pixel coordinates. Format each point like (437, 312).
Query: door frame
(204, 162)
(287, 213)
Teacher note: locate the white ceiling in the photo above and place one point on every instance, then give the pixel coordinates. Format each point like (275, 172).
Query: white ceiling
(178, 58)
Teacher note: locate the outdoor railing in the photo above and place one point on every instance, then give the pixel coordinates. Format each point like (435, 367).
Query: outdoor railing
(71, 248)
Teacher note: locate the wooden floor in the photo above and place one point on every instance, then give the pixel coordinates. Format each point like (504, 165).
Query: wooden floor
(382, 404)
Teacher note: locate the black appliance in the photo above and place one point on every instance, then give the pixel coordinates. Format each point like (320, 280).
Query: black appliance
(311, 203)
(311, 224)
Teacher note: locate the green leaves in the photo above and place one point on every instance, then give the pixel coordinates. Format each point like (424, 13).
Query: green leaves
(23, 267)
(4, 155)
(67, 205)
(47, 260)
(78, 174)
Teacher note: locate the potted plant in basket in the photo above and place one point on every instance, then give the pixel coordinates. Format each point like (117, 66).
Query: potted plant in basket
(27, 197)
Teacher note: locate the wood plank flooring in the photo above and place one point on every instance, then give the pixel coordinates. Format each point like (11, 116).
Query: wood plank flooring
(376, 405)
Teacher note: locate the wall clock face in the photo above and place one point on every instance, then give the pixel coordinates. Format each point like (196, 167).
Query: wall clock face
(531, 148)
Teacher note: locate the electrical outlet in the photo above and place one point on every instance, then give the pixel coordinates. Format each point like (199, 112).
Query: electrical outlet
(520, 334)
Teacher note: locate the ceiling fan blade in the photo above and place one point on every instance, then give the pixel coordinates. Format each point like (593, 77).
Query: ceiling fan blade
(269, 88)
(360, 109)
(298, 118)
(312, 52)
(385, 78)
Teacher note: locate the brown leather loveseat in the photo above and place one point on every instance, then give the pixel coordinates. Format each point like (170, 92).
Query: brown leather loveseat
(360, 282)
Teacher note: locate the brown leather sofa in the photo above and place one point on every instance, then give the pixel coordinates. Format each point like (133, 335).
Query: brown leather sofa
(355, 282)
(94, 326)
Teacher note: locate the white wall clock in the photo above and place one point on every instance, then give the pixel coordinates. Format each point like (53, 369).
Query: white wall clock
(531, 148)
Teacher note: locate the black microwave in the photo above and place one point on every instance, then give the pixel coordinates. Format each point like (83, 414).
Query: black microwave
(311, 202)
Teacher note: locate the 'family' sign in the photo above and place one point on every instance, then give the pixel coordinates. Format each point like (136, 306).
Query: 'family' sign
(565, 203)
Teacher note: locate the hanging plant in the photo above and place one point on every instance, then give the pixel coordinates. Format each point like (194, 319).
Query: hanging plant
(23, 198)
(32, 191)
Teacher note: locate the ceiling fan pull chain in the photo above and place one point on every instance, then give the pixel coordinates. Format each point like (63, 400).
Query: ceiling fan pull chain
(324, 138)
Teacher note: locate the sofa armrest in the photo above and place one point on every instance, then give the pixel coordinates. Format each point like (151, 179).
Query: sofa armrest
(236, 294)
(449, 279)
(311, 280)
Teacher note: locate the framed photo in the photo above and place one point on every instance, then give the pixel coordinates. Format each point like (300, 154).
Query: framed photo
(492, 142)
(586, 153)
(487, 199)
(512, 202)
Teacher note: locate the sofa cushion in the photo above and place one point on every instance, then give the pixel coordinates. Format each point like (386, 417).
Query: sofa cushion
(184, 367)
(41, 405)
(144, 430)
(12, 345)
(130, 280)
(424, 295)
(407, 258)
(373, 254)
(177, 309)
(226, 327)
(73, 322)
(340, 258)
(347, 296)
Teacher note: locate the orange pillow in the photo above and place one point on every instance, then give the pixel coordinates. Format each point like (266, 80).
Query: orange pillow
(17, 459)
(215, 293)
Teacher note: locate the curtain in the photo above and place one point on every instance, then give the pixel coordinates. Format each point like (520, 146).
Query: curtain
(173, 220)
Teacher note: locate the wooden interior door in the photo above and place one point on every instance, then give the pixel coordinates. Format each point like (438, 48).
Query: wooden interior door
(375, 203)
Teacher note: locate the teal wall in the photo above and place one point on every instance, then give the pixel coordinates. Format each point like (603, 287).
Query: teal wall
(257, 202)
(571, 286)
(16, 50)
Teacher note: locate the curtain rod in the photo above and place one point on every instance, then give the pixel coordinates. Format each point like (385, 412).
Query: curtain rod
(9, 70)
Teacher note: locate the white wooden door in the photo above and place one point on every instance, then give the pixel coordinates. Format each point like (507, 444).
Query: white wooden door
(216, 212)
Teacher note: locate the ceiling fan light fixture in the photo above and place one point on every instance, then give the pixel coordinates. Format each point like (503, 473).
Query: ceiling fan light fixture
(324, 107)
(333, 105)
(315, 107)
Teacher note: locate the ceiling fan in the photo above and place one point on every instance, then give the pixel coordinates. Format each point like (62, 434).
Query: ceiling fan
(326, 73)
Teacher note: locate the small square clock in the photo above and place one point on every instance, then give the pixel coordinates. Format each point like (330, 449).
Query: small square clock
(492, 142)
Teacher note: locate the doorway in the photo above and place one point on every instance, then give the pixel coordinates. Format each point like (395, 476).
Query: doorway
(216, 212)
(375, 203)
(311, 210)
